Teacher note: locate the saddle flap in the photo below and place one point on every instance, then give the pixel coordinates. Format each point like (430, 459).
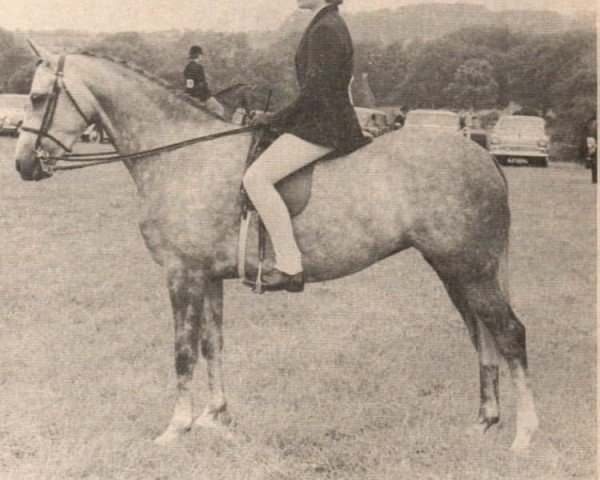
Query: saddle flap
(295, 189)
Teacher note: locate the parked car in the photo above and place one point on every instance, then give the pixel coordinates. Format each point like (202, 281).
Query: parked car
(373, 122)
(520, 139)
(442, 120)
(474, 131)
(12, 113)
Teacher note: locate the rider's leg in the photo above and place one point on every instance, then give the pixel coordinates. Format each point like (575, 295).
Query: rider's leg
(286, 155)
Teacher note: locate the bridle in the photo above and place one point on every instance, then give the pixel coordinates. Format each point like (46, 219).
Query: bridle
(91, 159)
(48, 117)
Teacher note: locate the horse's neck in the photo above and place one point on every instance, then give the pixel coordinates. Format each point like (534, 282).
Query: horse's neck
(143, 115)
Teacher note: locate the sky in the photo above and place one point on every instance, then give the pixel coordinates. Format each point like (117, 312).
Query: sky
(218, 15)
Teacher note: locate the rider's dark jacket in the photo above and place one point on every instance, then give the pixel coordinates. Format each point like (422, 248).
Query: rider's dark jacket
(195, 81)
(322, 113)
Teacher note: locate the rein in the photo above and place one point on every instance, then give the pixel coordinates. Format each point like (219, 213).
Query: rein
(109, 157)
(85, 160)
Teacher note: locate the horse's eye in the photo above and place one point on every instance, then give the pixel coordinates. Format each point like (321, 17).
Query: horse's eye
(38, 98)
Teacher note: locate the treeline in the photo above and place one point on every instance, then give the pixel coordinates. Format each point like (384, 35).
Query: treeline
(473, 68)
(549, 75)
(16, 64)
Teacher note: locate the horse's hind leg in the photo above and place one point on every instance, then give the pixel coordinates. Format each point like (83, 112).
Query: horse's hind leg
(485, 300)
(489, 411)
(187, 296)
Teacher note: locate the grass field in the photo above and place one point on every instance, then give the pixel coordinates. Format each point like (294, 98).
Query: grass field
(369, 377)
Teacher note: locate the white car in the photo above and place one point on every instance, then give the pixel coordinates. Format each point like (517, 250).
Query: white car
(12, 112)
(442, 120)
(520, 139)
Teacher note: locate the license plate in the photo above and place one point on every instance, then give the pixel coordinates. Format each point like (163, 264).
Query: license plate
(517, 161)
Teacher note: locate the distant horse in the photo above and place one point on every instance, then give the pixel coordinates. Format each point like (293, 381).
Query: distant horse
(439, 193)
(243, 95)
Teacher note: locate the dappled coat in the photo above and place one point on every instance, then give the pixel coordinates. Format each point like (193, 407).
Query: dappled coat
(322, 113)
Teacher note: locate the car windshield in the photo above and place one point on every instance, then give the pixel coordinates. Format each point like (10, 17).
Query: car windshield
(444, 120)
(13, 101)
(520, 124)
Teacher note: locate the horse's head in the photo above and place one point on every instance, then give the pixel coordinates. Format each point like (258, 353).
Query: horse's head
(55, 118)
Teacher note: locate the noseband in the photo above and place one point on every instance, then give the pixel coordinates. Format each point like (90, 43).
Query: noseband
(48, 118)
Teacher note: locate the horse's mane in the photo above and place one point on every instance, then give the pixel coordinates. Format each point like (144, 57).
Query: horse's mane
(252, 86)
(155, 79)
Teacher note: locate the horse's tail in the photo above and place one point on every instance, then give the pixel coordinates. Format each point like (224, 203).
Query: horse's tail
(504, 271)
(499, 168)
(503, 266)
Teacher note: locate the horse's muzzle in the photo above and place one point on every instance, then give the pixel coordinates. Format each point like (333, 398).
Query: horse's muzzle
(31, 169)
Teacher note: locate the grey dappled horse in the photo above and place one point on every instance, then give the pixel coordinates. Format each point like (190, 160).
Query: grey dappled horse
(438, 193)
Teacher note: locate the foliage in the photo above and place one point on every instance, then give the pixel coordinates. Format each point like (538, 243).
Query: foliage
(14, 61)
(472, 68)
(541, 62)
(474, 85)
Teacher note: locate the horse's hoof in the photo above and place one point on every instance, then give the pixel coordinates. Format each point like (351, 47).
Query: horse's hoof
(482, 426)
(224, 418)
(521, 445)
(167, 438)
(489, 422)
(527, 425)
(214, 417)
(209, 423)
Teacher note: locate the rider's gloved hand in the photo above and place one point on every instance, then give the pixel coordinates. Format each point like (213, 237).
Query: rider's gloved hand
(261, 119)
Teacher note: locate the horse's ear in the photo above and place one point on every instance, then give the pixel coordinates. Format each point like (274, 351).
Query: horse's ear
(39, 52)
(34, 48)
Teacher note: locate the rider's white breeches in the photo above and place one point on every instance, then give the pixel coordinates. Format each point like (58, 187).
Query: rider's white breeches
(286, 155)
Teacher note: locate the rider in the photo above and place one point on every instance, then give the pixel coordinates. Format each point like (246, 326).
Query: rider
(319, 121)
(196, 84)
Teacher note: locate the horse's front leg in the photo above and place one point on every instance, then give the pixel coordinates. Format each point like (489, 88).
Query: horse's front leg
(211, 341)
(186, 290)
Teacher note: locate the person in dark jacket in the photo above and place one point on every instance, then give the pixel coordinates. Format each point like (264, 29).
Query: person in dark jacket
(319, 121)
(592, 147)
(195, 81)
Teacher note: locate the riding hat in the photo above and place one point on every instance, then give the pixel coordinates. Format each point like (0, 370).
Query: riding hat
(195, 50)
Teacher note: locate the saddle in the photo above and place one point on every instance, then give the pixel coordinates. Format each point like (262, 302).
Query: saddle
(295, 191)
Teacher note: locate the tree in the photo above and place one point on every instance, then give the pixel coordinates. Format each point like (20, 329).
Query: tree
(20, 80)
(474, 86)
(13, 56)
(542, 61)
(128, 46)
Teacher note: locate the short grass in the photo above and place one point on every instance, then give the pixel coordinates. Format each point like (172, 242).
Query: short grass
(368, 377)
